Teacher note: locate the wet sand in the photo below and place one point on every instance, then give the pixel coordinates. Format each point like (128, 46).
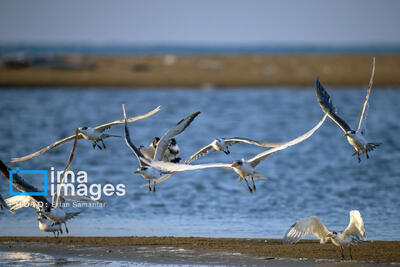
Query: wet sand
(205, 71)
(198, 250)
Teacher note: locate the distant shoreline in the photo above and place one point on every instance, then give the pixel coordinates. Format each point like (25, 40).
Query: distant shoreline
(114, 247)
(198, 71)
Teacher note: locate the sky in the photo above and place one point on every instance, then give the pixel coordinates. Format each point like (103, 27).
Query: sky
(209, 22)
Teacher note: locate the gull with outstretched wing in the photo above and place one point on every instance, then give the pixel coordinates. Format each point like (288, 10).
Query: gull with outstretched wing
(356, 138)
(245, 168)
(352, 235)
(222, 144)
(145, 170)
(94, 134)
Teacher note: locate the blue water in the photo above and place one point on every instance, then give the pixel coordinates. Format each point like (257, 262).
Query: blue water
(317, 177)
(118, 49)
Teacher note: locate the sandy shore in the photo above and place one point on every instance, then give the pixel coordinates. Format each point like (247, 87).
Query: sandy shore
(200, 71)
(164, 249)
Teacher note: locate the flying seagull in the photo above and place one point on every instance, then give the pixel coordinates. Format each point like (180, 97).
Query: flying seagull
(352, 235)
(170, 154)
(245, 168)
(356, 138)
(145, 170)
(94, 134)
(222, 144)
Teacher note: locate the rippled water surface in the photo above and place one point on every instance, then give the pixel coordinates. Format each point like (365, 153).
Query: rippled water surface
(317, 177)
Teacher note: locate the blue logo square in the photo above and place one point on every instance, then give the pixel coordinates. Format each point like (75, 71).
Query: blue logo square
(17, 170)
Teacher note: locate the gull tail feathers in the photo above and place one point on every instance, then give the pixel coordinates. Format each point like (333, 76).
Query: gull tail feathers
(372, 146)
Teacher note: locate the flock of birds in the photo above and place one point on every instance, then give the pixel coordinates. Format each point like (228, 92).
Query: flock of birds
(159, 161)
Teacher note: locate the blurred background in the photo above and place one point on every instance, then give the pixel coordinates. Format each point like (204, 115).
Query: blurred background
(248, 66)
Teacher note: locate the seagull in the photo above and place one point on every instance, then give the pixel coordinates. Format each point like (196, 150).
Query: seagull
(352, 235)
(170, 154)
(94, 134)
(245, 168)
(57, 215)
(222, 144)
(356, 138)
(46, 225)
(162, 145)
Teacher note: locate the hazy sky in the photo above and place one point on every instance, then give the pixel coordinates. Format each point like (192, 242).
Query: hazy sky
(201, 22)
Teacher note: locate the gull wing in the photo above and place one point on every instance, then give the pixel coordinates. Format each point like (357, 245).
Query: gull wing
(19, 202)
(70, 215)
(356, 226)
(175, 167)
(326, 104)
(106, 126)
(148, 152)
(260, 157)
(53, 145)
(201, 152)
(22, 186)
(164, 142)
(71, 156)
(364, 111)
(306, 226)
(252, 142)
(128, 141)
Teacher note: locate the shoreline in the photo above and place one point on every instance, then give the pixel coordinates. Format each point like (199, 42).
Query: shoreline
(199, 71)
(130, 248)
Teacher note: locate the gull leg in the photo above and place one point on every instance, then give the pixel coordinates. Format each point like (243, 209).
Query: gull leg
(359, 160)
(61, 230)
(227, 152)
(341, 250)
(149, 186)
(351, 256)
(367, 154)
(248, 186)
(66, 228)
(154, 186)
(254, 185)
(94, 145)
(104, 146)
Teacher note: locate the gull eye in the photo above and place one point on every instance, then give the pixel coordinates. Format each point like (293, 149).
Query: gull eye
(84, 128)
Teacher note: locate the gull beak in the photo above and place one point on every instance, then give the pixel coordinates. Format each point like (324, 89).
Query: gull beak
(345, 134)
(135, 172)
(233, 165)
(329, 235)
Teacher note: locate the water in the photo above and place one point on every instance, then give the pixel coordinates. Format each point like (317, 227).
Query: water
(317, 177)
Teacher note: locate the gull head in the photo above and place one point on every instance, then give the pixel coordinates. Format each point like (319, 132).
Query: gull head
(140, 170)
(173, 142)
(237, 164)
(83, 129)
(349, 133)
(155, 142)
(332, 234)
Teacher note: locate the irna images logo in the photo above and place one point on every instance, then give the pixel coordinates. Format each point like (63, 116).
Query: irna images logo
(73, 184)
